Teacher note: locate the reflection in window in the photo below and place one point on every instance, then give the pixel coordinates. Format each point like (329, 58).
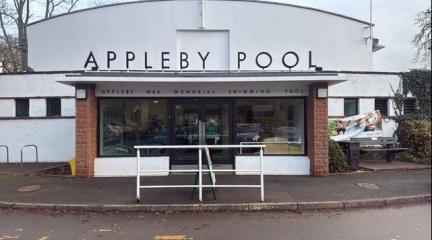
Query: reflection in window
(21, 107)
(277, 123)
(125, 123)
(53, 106)
(381, 104)
(350, 107)
(409, 105)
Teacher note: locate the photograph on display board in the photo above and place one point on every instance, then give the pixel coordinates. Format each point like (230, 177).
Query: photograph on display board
(363, 125)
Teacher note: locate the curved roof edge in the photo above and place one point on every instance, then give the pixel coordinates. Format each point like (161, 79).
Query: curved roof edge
(256, 1)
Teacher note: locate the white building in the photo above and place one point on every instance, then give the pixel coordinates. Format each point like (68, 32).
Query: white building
(151, 70)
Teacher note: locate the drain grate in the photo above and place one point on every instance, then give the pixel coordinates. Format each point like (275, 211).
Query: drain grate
(29, 188)
(368, 185)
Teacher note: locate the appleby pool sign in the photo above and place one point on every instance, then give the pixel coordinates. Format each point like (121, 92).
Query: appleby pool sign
(263, 60)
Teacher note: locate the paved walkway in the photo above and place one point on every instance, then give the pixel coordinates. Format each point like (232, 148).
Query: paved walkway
(383, 165)
(278, 189)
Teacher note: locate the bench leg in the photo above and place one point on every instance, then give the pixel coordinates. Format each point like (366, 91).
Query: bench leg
(390, 156)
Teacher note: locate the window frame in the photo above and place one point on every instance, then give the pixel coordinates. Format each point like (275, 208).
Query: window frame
(98, 138)
(386, 113)
(409, 100)
(28, 108)
(233, 100)
(305, 127)
(48, 114)
(356, 105)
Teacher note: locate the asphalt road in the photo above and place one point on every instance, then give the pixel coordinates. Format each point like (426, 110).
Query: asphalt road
(413, 222)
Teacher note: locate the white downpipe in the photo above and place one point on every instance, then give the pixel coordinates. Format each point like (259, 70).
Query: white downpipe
(202, 14)
(370, 19)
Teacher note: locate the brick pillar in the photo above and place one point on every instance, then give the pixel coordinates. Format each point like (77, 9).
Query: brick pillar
(86, 132)
(317, 124)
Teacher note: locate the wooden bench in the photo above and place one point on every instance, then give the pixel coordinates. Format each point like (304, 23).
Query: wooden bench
(355, 146)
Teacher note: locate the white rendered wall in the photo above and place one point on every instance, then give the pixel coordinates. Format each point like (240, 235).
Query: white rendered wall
(34, 85)
(154, 27)
(126, 166)
(7, 107)
(365, 85)
(366, 105)
(274, 165)
(391, 108)
(55, 139)
(68, 107)
(336, 107)
(37, 107)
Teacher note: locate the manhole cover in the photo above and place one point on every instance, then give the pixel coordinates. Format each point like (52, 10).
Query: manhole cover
(29, 188)
(368, 185)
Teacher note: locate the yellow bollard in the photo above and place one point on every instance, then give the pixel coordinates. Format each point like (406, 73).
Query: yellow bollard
(72, 164)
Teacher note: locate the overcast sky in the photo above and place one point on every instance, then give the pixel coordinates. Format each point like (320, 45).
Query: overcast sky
(394, 26)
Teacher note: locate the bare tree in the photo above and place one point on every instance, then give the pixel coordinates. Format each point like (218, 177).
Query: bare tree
(422, 40)
(14, 18)
(98, 3)
(52, 7)
(9, 55)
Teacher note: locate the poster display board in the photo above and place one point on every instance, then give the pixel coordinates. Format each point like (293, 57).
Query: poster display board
(368, 124)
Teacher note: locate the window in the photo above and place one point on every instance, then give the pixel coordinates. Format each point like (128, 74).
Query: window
(124, 123)
(409, 105)
(350, 106)
(279, 123)
(21, 107)
(53, 106)
(382, 106)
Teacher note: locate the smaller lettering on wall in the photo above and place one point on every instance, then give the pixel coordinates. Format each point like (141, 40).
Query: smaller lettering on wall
(215, 90)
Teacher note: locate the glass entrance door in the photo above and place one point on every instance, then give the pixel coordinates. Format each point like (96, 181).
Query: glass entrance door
(214, 115)
(218, 129)
(186, 130)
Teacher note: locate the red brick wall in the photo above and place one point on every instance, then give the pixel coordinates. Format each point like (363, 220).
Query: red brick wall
(317, 124)
(86, 133)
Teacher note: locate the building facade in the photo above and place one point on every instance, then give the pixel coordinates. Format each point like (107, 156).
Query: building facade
(148, 73)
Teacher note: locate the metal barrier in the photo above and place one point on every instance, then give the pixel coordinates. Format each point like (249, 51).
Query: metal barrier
(30, 145)
(200, 170)
(7, 152)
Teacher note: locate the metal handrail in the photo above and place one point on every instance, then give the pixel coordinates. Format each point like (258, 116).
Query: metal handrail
(242, 144)
(200, 170)
(30, 145)
(7, 152)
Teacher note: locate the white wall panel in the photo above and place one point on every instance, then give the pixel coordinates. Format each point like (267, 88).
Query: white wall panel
(34, 85)
(391, 107)
(55, 139)
(7, 108)
(68, 107)
(153, 26)
(366, 105)
(365, 85)
(274, 165)
(37, 107)
(126, 166)
(335, 107)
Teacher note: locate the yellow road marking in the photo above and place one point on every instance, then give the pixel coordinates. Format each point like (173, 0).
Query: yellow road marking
(171, 237)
